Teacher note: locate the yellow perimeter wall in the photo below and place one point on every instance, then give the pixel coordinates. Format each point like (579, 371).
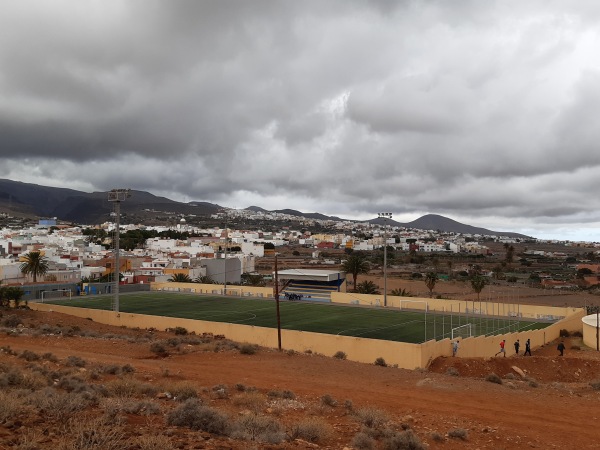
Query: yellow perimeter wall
(405, 355)
(198, 288)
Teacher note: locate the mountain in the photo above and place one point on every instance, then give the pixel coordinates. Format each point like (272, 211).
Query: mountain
(436, 222)
(88, 208)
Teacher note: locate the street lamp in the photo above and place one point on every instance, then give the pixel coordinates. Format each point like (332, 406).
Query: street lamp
(385, 216)
(117, 196)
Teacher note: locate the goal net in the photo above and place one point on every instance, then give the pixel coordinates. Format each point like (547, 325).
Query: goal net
(464, 331)
(414, 304)
(59, 293)
(233, 292)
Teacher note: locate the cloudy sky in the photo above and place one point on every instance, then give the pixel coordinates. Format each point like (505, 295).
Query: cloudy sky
(486, 112)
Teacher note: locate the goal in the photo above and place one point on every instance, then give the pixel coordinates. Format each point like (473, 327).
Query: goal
(58, 293)
(233, 292)
(464, 331)
(403, 304)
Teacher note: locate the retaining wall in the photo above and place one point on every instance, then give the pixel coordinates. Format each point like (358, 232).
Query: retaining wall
(213, 289)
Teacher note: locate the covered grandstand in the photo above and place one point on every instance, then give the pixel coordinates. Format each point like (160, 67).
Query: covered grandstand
(311, 284)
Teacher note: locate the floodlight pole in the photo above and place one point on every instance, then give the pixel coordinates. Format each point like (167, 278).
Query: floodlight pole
(277, 305)
(117, 196)
(385, 216)
(225, 265)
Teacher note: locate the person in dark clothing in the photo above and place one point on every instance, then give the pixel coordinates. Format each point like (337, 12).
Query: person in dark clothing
(517, 345)
(527, 347)
(561, 348)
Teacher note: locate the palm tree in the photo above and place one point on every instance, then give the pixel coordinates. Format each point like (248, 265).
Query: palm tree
(355, 264)
(253, 279)
(180, 278)
(367, 287)
(204, 279)
(430, 280)
(34, 264)
(478, 283)
(401, 293)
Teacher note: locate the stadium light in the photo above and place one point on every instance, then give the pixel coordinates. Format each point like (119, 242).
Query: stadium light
(385, 216)
(117, 196)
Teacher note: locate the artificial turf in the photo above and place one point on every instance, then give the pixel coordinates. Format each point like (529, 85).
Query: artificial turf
(367, 322)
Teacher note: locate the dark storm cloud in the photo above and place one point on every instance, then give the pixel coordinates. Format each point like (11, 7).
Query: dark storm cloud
(471, 109)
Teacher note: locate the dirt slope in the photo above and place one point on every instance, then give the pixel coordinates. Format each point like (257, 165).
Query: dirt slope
(561, 412)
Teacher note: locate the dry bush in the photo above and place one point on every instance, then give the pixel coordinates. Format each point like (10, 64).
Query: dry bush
(253, 427)
(362, 441)
(533, 383)
(437, 437)
(91, 434)
(311, 429)
(29, 440)
(340, 355)
(11, 321)
(405, 440)
(510, 376)
(75, 361)
(380, 362)
(459, 433)
(194, 415)
(248, 349)
(11, 406)
(328, 400)
(493, 378)
(595, 384)
(253, 401)
(57, 405)
(28, 355)
(130, 387)
(152, 442)
(452, 371)
(371, 417)
(182, 391)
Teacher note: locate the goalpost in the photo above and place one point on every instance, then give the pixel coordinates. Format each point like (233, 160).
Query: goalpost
(402, 302)
(234, 292)
(463, 331)
(59, 293)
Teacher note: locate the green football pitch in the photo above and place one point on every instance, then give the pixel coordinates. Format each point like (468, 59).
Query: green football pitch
(359, 321)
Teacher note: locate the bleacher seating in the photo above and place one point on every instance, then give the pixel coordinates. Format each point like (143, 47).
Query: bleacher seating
(311, 290)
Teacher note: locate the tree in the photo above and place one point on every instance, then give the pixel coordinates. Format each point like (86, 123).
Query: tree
(367, 287)
(430, 281)
(478, 283)
(253, 279)
(15, 294)
(355, 264)
(204, 279)
(34, 264)
(180, 278)
(401, 293)
(510, 253)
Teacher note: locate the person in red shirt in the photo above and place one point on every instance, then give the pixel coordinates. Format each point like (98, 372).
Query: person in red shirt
(502, 350)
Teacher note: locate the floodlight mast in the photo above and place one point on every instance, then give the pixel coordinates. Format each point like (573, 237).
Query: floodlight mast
(117, 196)
(385, 216)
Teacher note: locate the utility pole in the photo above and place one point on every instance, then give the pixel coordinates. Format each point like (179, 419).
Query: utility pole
(385, 216)
(277, 305)
(226, 242)
(117, 196)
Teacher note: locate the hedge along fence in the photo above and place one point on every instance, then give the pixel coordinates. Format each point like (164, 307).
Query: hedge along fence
(402, 354)
(213, 289)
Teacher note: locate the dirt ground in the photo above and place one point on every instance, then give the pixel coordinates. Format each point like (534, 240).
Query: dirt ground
(554, 406)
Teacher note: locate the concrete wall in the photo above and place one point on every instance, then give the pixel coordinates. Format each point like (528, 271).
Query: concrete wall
(215, 289)
(405, 355)
(458, 306)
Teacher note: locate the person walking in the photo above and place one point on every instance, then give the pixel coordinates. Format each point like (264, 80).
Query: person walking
(517, 345)
(455, 348)
(502, 349)
(527, 348)
(561, 347)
